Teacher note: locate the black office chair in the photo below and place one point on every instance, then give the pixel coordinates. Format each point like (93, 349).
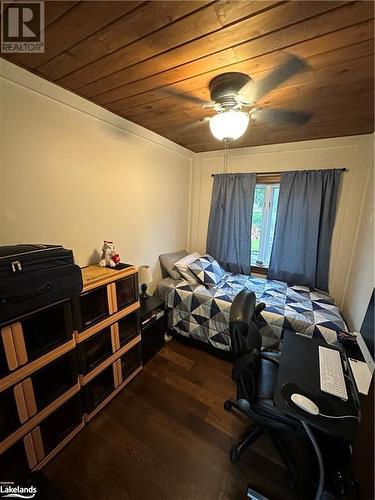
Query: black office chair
(255, 373)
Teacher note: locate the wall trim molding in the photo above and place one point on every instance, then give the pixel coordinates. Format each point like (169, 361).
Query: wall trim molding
(35, 83)
(288, 147)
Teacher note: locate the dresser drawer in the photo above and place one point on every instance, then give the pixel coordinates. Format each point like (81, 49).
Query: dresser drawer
(92, 307)
(26, 399)
(13, 412)
(58, 425)
(35, 335)
(126, 291)
(17, 460)
(4, 367)
(128, 328)
(94, 350)
(129, 362)
(99, 388)
(50, 382)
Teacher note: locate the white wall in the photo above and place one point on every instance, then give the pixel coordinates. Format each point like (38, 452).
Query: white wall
(75, 174)
(354, 153)
(361, 276)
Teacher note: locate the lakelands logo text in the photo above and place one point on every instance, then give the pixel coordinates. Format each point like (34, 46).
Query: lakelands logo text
(17, 491)
(22, 27)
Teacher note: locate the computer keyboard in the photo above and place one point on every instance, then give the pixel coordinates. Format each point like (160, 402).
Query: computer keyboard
(331, 373)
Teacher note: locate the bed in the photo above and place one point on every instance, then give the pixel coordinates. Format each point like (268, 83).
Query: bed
(202, 313)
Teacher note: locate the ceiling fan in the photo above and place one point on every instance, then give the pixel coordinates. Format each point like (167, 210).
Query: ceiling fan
(234, 96)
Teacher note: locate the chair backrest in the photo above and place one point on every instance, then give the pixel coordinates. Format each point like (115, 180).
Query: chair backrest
(246, 343)
(245, 336)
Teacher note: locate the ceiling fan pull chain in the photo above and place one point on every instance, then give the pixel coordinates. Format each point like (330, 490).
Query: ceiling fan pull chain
(226, 154)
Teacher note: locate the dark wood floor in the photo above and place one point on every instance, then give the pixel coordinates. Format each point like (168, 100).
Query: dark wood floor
(167, 436)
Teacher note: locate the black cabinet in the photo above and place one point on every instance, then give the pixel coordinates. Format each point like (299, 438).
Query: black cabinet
(153, 326)
(9, 419)
(126, 291)
(14, 463)
(35, 335)
(130, 361)
(57, 426)
(53, 380)
(97, 390)
(128, 327)
(36, 392)
(47, 329)
(94, 350)
(4, 368)
(91, 307)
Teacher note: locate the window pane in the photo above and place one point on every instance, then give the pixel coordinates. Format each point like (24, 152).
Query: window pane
(264, 221)
(258, 210)
(274, 203)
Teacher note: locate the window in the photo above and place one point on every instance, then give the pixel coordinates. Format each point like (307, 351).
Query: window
(264, 219)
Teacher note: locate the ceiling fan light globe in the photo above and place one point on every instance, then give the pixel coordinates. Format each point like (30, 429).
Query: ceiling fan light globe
(229, 125)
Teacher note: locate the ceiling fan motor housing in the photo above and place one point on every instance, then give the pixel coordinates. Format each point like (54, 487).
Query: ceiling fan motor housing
(225, 87)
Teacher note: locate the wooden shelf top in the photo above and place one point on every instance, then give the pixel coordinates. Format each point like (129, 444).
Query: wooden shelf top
(94, 276)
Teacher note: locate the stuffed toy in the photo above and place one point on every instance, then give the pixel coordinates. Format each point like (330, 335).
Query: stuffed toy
(109, 255)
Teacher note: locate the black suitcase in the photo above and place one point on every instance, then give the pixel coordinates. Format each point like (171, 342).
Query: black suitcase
(35, 276)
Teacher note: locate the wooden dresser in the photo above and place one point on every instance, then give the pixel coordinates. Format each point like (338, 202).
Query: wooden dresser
(61, 364)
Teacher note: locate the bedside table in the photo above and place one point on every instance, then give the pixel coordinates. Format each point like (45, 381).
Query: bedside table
(153, 326)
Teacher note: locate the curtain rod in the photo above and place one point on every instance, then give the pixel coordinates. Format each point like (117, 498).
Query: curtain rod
(278, 173)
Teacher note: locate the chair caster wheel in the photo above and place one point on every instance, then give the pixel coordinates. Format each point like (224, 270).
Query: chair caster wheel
(234, 455)
(228, 405)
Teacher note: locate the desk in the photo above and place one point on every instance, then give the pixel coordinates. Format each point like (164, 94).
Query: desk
(299, 372)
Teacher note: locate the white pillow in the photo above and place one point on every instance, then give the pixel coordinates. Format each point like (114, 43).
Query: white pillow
(182, 267)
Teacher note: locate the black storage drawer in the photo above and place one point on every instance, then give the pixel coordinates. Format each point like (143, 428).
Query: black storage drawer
(53, 380)
(9, 419)
(128, 327)
(152, 338)
(91, 307)
(13, 463)
(94, 350)
(60, 423)
(126, 291)
(47, 329)
(4, 369)
(130, 361)
(98, 389)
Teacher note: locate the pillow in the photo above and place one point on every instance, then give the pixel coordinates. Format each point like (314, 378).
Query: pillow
(182, 266)
(207, 270)
(167, 261)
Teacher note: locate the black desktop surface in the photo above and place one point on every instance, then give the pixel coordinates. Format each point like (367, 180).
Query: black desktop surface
(299, 373)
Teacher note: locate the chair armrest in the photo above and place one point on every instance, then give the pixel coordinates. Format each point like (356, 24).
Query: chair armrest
(268, 357)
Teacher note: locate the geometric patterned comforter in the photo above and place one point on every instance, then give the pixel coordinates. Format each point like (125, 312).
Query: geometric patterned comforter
(202, 312)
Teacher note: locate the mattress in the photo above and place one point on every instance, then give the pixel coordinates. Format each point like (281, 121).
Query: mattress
(165, 286)
(202, 312)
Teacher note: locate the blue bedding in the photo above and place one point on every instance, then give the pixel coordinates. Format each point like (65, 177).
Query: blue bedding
(202, 312)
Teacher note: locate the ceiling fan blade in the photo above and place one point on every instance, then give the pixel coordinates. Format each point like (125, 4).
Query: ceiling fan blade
(189, 98)
(253, 91)
(279, 116)
(193, 125)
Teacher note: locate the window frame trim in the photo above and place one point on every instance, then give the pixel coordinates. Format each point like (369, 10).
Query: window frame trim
(266, 178)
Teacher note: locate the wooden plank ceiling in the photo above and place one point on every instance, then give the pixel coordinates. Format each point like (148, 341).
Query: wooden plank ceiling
(124, 55)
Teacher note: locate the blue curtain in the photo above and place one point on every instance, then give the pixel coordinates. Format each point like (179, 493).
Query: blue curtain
(229, 226)
(304, 225)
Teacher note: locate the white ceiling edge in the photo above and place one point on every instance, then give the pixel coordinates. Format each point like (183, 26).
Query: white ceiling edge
(26, 79)
(329, 142)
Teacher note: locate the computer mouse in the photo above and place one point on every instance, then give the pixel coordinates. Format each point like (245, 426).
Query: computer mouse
(305, 403)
